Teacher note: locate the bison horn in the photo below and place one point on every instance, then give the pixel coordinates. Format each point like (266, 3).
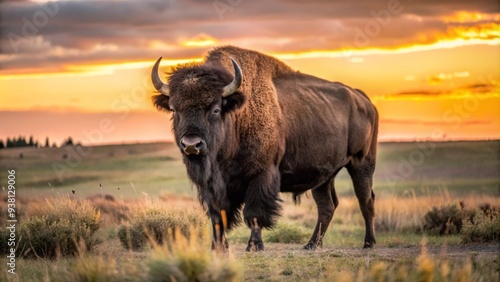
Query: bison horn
(235, 84)
(158, 84)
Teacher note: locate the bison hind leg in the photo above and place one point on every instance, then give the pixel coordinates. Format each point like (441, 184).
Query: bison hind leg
(361, 172)
(326, 202)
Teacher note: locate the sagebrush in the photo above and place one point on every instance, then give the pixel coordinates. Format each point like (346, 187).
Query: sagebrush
(484, 227)
(445, 220)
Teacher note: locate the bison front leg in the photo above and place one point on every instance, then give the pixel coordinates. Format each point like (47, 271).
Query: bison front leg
(262, 206)
(255, 242)
(219, 225)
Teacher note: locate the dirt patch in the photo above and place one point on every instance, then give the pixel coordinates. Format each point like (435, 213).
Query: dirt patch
(385, 253)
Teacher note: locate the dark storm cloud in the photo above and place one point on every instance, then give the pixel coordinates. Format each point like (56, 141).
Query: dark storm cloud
(74, 23)
(48, 35)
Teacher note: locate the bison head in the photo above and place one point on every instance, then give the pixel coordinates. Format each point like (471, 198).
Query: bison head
(200, 98)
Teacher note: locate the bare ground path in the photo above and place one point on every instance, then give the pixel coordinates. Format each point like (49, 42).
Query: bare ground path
(288, 262)
(382, 252)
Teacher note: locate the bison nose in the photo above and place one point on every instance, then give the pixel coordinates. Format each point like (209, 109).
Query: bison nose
(192, 145)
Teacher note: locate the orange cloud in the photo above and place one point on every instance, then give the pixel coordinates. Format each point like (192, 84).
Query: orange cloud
(488, 31)
(441, 77)
(480, 90)
(200, 40)
(470, 17)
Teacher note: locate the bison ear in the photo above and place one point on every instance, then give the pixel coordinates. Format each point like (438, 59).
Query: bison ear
(232, 102)
(161, 102)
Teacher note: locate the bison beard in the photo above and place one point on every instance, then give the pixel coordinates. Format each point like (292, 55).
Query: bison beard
(207, 177)
(212, 192)
(249, 127)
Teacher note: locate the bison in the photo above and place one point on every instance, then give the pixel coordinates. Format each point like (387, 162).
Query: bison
(249, 127)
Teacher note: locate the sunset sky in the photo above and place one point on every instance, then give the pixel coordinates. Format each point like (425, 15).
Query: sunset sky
(81, 68)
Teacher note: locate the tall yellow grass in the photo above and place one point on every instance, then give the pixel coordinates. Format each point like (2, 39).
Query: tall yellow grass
(392, 213)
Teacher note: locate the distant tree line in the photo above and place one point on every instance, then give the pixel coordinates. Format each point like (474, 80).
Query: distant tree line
(20, 141)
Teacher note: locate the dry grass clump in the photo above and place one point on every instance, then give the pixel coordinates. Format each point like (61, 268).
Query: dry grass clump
(442, 214)
(152, 220)
(189, 259)
(425, 269)
(56, 227)
(406, 214)
(86, 268)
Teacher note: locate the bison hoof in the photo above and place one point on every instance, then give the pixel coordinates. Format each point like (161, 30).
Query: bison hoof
(311, 246)
(255, 247)
(220, 246)
(368, 245)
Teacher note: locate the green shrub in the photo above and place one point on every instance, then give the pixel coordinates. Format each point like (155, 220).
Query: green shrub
(154, 221)
(286, 233)
(57, 227)
(483, 228)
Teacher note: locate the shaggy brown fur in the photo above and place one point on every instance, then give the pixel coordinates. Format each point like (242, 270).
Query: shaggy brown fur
(281, 131)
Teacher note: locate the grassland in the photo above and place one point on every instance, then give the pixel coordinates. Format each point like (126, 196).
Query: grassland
(410, 179)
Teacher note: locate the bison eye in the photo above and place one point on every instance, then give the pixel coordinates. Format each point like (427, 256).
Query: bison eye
(216, 111)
